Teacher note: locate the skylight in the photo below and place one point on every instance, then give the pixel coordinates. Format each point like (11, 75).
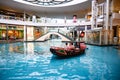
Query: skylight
(47, 2)
(51, 3)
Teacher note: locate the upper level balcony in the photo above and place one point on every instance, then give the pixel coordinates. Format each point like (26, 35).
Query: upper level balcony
(42, 21)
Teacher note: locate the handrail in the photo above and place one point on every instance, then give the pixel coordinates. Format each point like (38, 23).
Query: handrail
(66, 36)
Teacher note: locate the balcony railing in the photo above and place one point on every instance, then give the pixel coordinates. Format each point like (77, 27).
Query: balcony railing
(41, 20)
(10, 17)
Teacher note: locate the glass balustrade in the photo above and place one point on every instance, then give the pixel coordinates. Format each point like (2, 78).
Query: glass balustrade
(41, 20)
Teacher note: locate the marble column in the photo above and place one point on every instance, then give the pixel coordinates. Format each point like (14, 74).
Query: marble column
(25, 33)
(106, 23)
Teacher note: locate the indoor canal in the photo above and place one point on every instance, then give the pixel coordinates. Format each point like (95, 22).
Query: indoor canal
(34, 61)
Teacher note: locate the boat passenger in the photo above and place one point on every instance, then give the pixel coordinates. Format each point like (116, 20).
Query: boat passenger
(70, 46)
(66, 44)
(77, 46)
(82, 46)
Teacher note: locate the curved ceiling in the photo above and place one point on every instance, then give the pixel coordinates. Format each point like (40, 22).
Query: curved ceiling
(64, 11)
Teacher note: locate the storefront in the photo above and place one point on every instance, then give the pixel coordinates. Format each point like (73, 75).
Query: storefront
(93, 37)
(116, 34)
(38, 31)
(11, 32)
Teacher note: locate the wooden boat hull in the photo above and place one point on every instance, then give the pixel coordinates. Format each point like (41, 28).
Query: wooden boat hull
(65, 53)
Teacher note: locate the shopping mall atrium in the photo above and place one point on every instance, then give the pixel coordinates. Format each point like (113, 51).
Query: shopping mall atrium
(29, 28)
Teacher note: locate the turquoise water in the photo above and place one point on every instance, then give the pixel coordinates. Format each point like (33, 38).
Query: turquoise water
(33, 61)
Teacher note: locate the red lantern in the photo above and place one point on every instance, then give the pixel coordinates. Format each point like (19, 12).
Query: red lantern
(82, 34)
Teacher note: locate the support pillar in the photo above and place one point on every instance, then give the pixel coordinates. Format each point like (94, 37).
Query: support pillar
(94, 14)
(111, 31)
(25, 27)
(25, 33)
(24, 16)
(7, 32)
(100, 43)
(85, 33)
(45, 30)
(106, 22)
(111, 24)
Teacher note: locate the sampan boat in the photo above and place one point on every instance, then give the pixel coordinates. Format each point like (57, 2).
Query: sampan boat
(62, 52)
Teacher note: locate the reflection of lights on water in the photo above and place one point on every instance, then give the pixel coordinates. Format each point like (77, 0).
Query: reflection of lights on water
(32, 66)
(35, 74)
(55, 71)
(30, 48)
(11, 48)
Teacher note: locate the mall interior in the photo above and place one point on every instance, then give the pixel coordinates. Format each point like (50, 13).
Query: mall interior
(30, 28)
(26, 20)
